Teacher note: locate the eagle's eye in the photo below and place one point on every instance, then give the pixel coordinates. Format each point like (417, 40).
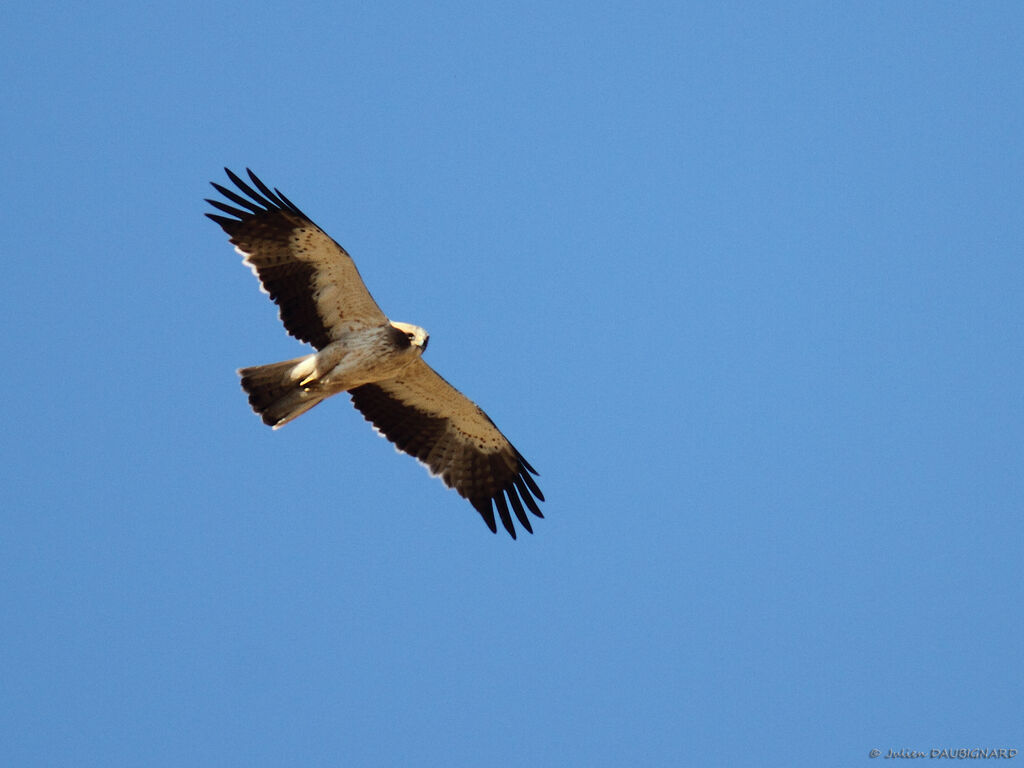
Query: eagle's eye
(411, 336)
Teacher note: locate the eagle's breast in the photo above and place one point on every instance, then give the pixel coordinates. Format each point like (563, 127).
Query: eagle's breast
(365, 355)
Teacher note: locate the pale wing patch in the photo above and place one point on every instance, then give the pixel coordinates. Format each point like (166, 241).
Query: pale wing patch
(308, 275)
(427, 418)
(341, 296)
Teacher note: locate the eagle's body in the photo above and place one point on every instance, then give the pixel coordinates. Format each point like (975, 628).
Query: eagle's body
(324, 302)
(279, 392)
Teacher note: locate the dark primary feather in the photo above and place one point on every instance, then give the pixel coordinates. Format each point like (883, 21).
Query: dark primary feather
(262, 227)
(488, 480)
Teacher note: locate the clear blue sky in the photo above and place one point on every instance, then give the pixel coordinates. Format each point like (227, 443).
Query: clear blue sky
(743, 282)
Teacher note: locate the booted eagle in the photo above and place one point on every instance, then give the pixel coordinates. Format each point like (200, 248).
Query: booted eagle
(324, 302)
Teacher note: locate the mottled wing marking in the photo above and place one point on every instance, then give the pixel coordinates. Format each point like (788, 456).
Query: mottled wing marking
(309, 276)
(426, 417)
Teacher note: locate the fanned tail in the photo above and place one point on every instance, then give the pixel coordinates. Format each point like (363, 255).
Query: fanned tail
(276, 392)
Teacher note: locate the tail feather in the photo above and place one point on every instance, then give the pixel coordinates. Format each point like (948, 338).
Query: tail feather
(275, 391)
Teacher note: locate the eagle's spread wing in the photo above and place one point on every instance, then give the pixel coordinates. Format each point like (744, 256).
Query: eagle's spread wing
(308, 275)
(426, 417)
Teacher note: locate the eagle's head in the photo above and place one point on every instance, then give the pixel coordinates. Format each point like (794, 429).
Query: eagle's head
(413, 336)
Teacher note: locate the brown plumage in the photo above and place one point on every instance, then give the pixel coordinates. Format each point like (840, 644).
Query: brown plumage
(324, 302)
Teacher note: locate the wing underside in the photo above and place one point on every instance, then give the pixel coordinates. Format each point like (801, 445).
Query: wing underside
(308, 275)
(427, 418)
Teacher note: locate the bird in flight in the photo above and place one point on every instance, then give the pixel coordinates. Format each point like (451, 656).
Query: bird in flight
(324, 302)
